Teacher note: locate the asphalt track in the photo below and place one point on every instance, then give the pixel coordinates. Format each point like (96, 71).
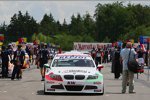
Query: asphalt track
(31, 88)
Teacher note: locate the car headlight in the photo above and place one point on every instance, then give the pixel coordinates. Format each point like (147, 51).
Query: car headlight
(92, 77)
(55, 77)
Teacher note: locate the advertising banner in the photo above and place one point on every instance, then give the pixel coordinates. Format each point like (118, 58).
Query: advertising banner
(88, 46)
(143, 39)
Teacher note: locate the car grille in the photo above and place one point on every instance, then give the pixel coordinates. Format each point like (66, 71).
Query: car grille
(69, 77)
(79, 77)
(57, 86)
(74, 88)
(88, 87)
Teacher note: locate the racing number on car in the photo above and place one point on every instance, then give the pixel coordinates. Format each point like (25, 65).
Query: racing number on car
(71, 83)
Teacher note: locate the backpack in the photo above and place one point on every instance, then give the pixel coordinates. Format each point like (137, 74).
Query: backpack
(133, 65)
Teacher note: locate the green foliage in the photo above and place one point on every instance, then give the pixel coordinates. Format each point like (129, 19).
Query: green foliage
(48, 25)
(111, 22)
(21, 26)
(134, 34)
(106, 40)
(76, 26)
(42, 38)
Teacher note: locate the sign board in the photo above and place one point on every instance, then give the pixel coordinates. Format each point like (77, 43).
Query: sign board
(143, 39)
(88, 46)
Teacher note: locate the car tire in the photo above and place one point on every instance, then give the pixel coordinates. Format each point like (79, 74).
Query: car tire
(102, 92)
(45, 93)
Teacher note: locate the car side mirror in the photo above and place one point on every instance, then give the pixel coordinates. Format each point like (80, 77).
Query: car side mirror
(46, 66)
(99, 67)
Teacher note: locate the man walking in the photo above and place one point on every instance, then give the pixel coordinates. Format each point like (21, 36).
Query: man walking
(18, 60)
(127, 75)
(98, 59)
(43, 56)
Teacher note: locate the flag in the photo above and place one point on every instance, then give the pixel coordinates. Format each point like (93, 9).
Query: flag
(132, 41)
(1, 43)
(17, 42)
(143, 39)
(24, 39)
(20, 40)
(1, 37)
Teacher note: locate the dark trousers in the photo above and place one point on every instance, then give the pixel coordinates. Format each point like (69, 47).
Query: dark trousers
(117, 69)
(105, 60)
(16, 71)
(117, 74)
(5, 69)
(98, 61)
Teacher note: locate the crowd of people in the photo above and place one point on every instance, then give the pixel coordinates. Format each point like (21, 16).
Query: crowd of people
(25, 55)
(101, 55)
(128, 53)
(119, 56)
(22, 56)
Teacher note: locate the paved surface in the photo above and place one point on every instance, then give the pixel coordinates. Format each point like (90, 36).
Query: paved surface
(31, 88)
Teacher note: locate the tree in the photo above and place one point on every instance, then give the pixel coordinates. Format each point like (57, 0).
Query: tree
(89, 25)
(76, 26)
(64, 27)
(3, 28)
(48, 25)
(110, 20)
(21, 26)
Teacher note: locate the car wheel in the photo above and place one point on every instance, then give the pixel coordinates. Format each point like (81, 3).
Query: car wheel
(45, 93)
(102, 92)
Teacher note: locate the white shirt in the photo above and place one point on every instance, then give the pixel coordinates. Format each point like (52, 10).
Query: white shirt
(125, 56)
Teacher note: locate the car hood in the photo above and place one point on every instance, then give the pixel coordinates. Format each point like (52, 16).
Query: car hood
(74, 70)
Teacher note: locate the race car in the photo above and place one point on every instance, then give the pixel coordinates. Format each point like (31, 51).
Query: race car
(73, 72)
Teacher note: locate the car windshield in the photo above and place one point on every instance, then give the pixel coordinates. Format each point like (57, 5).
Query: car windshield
(73, 63)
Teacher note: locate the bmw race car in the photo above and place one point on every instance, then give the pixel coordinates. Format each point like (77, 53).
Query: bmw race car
(73, 72)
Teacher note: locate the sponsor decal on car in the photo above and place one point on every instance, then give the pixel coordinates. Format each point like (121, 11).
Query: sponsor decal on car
(75, 71)
(71, 83)
(50, 82)
(71, 57)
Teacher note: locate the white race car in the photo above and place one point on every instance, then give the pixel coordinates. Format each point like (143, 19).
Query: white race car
(73, 72)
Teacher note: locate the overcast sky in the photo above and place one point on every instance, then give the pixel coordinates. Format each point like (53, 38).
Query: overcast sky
(59, 9)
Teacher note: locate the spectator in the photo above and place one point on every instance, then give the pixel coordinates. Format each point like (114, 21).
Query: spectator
(5, 60)
(43, 56)
(117, 64)
(18, 60)
(59, 50)
(141, 56)
(93, 53)
(127, 75)
(98, 57)
(105, 60)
